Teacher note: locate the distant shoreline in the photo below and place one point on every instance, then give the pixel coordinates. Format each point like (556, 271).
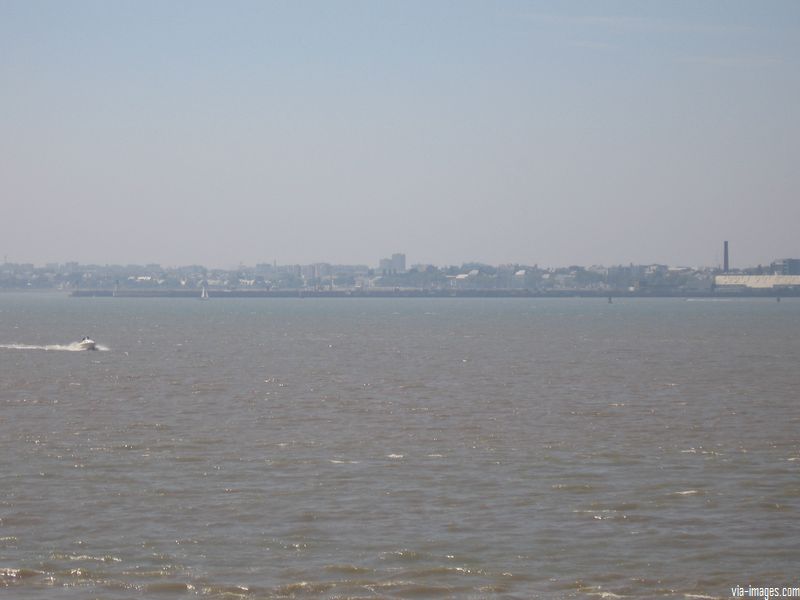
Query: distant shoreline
(405, 293)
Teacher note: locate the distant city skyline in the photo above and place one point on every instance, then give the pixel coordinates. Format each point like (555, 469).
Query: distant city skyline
(391, 278)
(374, 260)
(532, 132)
(398, 262)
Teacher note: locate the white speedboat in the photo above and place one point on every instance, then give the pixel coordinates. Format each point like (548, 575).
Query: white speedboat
(87, 343)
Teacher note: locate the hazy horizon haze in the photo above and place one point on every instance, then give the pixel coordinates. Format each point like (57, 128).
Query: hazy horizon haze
(518, 132)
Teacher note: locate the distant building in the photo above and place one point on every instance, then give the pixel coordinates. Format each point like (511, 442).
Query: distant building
(308, 272)
(757, 281)
(786, 266)
(323, 269)
(399, 263)
(395, 264)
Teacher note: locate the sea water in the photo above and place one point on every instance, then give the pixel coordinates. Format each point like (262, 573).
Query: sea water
(398, 448)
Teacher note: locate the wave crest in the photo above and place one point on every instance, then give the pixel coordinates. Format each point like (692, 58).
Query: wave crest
(73, 347)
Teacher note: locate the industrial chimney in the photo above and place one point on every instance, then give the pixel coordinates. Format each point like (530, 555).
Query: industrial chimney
(725, 264)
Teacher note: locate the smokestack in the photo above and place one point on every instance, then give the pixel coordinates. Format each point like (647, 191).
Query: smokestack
(726, 264)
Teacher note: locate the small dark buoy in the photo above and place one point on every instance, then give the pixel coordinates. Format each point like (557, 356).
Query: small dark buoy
(778, 299)
(609, 300)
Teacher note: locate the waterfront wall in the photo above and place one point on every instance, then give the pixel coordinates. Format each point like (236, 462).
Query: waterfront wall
(440, 293)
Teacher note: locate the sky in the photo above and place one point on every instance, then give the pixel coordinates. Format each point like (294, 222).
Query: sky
(549, 133)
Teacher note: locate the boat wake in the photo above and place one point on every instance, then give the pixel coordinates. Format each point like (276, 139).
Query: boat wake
(73, 347)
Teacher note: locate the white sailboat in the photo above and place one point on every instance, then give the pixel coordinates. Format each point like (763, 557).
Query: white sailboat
(204, 294)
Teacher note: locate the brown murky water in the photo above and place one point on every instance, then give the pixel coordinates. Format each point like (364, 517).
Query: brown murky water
(357, 448)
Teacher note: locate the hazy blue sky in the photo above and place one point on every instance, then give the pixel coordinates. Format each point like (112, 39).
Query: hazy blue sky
(536, 132)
